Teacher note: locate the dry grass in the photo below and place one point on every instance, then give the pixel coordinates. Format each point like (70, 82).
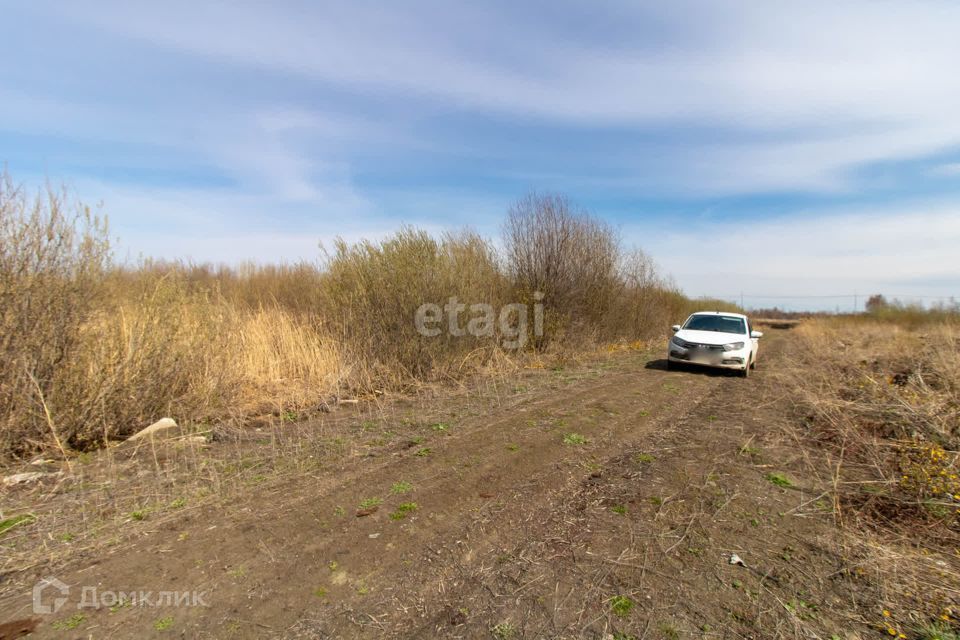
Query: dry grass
(880, 399)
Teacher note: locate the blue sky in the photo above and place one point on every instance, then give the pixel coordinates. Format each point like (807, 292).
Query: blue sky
(789, 149)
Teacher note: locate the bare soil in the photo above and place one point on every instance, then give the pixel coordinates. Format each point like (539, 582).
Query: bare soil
(595, 502)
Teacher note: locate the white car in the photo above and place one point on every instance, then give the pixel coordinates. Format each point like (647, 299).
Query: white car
(715, 339)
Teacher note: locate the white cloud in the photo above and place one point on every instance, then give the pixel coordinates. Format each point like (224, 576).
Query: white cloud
(828, 86)
(909, 251)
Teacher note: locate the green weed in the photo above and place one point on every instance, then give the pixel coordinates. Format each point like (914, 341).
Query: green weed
(403, 510)
(621, 605)
(399, 488)
(780, 480)
(70, 623)
(369, 503)
(163, 623)
(15, 521)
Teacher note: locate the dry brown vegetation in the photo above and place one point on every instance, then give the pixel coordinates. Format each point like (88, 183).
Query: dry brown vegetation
(92, 351)
(879, 396)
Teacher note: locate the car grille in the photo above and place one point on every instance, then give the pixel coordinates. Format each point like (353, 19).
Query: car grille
(710, 347)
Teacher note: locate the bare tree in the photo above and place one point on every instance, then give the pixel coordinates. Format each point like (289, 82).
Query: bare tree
(558, 250)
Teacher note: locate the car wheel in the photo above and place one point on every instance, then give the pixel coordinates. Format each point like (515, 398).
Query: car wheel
(753, 363)
(669, 364)
(745, 372)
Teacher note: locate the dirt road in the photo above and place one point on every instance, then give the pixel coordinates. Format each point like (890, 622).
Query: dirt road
(605, 500)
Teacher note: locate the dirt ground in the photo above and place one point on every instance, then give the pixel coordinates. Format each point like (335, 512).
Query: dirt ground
(600, 501)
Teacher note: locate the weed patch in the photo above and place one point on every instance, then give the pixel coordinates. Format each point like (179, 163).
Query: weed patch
(403, 510)
(779, 480)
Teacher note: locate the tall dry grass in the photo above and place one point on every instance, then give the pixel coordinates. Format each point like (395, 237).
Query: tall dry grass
(884, 397)
(91, 351)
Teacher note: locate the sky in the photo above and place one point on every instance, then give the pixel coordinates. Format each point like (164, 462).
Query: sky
(799, 154)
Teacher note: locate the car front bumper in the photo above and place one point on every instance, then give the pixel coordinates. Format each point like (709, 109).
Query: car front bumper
(710, 357)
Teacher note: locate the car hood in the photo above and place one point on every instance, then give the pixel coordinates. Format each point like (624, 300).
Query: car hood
(709, 337)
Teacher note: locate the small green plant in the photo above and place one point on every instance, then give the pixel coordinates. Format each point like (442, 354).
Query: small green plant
(20, 520)
(503, 630)
(68, 624)
(122, 603)
(440, 426)
(780, 480)
(423, 453)
(320, 592)
(937, 631)
(669, 631)
(369, 503)
(138, 515)
(179, 503)
(403, 510)
(399, 488)
(619, 509)
(644, 458)
(747, 450)
(513, 447)
(574, 439)
(163, 623)
(621, 605)
(339, 511)
(656, 501)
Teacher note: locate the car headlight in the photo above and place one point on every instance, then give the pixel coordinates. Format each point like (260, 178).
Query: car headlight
(683, 344)
(733, 346)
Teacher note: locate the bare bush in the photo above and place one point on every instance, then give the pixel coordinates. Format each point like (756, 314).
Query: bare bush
(558, 250)
(373, 292)
(52, 259)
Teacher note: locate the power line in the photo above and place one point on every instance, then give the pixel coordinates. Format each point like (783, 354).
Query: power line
(827, 296)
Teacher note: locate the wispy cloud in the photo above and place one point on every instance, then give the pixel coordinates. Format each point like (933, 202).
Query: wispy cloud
(293, 121)
(904, 250)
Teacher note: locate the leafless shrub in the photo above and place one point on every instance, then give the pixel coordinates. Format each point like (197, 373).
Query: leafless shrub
(559, 250)
(52, 259)
(374, 289)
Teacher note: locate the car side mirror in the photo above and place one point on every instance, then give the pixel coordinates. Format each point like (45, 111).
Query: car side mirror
(756, 334)
(675, 328)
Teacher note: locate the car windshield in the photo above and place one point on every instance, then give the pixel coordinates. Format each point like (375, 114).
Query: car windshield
(724, 324)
